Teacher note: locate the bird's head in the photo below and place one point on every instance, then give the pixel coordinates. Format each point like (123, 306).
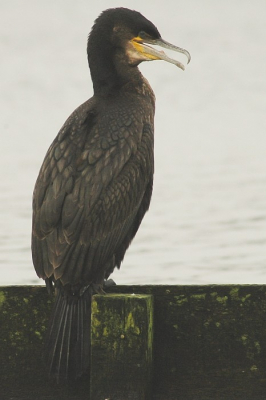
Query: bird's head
(121, 39)
(133, 34)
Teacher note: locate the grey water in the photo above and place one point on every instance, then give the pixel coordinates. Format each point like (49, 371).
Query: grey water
(207, 220)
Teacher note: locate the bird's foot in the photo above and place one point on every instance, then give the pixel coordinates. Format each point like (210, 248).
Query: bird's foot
(97, 288)
(108, 283)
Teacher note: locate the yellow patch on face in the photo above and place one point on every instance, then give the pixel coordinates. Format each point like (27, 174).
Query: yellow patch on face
(138, 39)
(137, 43)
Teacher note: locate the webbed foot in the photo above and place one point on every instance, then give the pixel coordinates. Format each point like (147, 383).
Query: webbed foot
(108, 283)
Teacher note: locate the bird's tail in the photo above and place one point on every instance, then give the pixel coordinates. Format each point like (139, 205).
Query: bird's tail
(67, 348)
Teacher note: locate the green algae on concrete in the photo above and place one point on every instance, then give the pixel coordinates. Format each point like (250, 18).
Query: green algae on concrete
(2, 298)
(121, 346)
(24, 314)
(209, 342)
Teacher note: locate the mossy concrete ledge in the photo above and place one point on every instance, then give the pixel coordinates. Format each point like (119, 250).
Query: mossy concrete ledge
(121, 347)
(209, 343)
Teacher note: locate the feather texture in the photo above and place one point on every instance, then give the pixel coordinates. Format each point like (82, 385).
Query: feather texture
(93, 190)
(67, 345)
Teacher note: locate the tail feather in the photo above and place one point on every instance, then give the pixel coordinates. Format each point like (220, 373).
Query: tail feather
(63, 341)
(67, 345)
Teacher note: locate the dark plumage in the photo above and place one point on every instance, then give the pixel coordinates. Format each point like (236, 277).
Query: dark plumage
(95, 184)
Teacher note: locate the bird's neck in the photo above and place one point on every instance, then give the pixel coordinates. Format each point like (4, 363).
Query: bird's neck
(111, 73)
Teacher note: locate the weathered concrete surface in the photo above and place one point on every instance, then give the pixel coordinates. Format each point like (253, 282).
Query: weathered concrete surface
(24, 314)
(209, 343)
(121, 347)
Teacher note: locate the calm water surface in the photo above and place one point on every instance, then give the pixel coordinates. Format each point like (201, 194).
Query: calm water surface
(207, 220)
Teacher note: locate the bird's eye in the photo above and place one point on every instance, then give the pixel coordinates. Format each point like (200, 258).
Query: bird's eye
(142, 34)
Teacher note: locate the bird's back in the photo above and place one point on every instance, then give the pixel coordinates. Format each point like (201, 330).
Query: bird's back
(94, 188)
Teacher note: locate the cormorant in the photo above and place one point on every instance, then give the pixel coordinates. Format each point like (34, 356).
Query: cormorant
(95, 183)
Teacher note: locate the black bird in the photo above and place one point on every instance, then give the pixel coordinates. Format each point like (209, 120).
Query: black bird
(95, 183)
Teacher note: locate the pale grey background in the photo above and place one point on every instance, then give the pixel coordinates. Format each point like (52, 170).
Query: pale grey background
(207, 221)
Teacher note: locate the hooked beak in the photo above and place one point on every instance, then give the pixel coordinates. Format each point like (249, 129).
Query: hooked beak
(148, 53)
